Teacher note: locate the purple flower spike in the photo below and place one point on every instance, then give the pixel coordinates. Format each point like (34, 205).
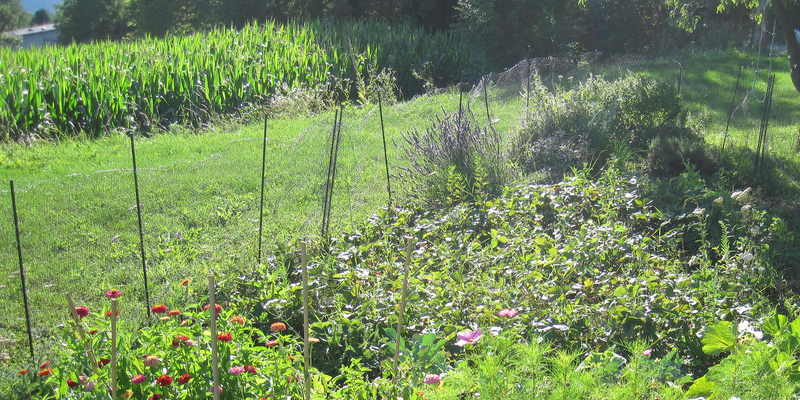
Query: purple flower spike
(468, 337)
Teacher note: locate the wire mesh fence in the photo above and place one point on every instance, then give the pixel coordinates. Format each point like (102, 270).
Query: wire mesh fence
(200, 200)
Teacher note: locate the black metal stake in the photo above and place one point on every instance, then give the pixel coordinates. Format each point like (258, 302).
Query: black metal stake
(21, 269)
(141, 230)
(730, 113)
(385, 155)
(762, 136)
(486, 101)
(263, 177)
(334, 153)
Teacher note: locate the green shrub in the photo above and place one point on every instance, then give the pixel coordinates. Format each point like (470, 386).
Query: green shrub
(593, 121)
(454, 161)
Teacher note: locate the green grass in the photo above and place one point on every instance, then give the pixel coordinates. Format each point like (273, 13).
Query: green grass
(200, 192)
(200, 201)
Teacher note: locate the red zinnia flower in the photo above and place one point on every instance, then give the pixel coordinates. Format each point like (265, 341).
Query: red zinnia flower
(82, 311)
(113, 294)
(72, 383)
(102, 363)
(164, 380)
(278, 327)
(224, 337)
(45, 372)
(159, 309)
(180, 339)
(217, 308)
(22, 371)
(250, 369)
(44, 365)
(184, 379)
(174, 313)
(155, 396)
(108, 314)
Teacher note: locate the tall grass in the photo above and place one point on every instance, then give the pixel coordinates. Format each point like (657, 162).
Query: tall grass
(93, 88)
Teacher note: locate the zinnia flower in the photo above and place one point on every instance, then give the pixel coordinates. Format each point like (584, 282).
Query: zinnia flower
(432, 379)
(278, 327)
(236, 370)
(159, 309)
(219, 390)
(468, 337)
(81, 311)
(217, 308)
(184, 379)
(127, 395)
(155, 396)
(271, 343)
(139, 379)
(224, 337)
(647, 352)
(174, 313)
(89, 386)
(238, 320)
(45, 372)
(102, 363)
(108, 314)
(164, 380)
(72, 383)
(22, 371)
(180, 339)
(250, 369)
(113, 294)
(508, 312)
(150, 361)
(44, 365)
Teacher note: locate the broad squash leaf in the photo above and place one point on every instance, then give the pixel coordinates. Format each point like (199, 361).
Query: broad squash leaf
(702, 387)
(720, 337)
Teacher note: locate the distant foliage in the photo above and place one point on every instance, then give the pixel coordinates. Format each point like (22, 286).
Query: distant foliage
(586, 124)
(88, 20)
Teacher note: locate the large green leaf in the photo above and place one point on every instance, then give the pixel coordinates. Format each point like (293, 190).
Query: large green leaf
(720, 337)
(775, 325)
(702, 387)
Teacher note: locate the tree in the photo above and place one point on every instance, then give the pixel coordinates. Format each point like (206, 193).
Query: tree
(40, 17)
(87, 20)
(12, 15)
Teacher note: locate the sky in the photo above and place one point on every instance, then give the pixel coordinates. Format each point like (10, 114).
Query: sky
(35, 5)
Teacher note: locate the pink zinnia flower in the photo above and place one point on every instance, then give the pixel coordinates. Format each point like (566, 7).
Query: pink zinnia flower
(271, 343)
(236, 370)
(508, 312)
(432, 379)
(82, 311)
(151, 361)
(139, 379)
(113, 294)
(468, 337)
(647, 352)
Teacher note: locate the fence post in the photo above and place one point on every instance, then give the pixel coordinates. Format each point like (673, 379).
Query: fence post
(21, 269)
(141, 232)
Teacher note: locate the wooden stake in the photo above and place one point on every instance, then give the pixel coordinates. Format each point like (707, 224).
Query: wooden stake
(212, 308)
(114, 349)
(86, 344)
(409, 242)
(306, 350)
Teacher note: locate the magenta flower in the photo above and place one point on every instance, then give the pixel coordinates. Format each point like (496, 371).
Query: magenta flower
(237, 370)
(432, 379)
(113, 294)
(138, 379)
(468, 337)
(647, 352)
(508, 312)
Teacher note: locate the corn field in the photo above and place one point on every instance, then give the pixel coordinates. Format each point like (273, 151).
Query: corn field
(91, 89)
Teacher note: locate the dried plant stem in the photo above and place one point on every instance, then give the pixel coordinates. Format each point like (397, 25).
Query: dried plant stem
(306, 352)
(82, 334)
(212, 308)
(402, 310)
